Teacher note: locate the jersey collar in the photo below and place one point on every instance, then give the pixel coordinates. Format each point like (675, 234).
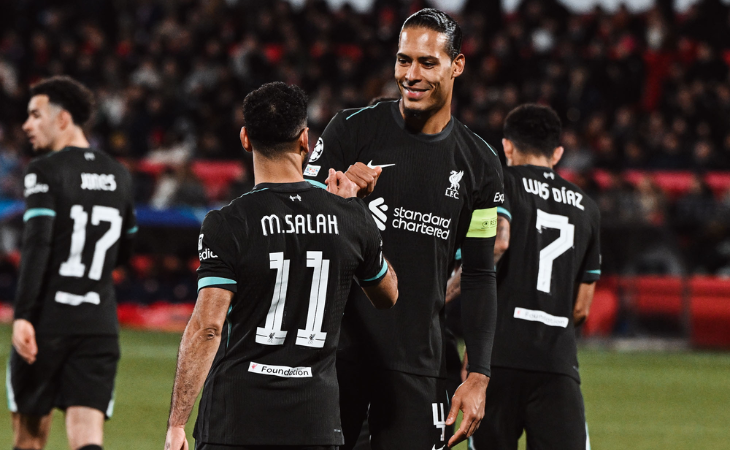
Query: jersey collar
(284, 187)
(421, 136)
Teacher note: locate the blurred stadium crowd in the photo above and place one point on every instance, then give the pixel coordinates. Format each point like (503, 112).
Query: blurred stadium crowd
(640, 95)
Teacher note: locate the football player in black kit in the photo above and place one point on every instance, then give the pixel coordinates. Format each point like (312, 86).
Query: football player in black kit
(276, 266)
(548, 257)
(438, 188)
(79, 225)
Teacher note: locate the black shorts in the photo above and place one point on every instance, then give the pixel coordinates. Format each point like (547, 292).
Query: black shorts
(404, 411)
(204, 446)
(548, 406)
(68, 371)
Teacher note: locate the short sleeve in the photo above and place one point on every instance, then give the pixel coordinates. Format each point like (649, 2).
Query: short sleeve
(217, 250)
(483, 222)
(329, 152)
(374, 266)
(591, 270)
(38, 189)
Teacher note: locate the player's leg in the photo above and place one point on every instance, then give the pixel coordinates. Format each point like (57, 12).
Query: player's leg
(87, 389)
(555, 415)
(504, 419)
(84, 428)
(31, 390)
(407, 412)
(355, 381)
(30, 432)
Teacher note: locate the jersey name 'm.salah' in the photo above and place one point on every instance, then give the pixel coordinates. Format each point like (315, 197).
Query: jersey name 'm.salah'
(299, 224)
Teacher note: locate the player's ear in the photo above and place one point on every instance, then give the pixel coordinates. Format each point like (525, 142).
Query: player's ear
(509, 150)
(245, 141)
(457, 66)
(557, 154)
(304, 141)
(64, 119)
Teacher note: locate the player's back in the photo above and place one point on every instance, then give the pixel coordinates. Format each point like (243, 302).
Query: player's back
(292, 251)
(554, 234)
(89, 195)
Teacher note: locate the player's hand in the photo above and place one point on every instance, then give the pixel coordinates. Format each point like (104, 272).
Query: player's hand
(176, 439)
(24, 340)
(364, 177)
(338, 184)
(469, 398)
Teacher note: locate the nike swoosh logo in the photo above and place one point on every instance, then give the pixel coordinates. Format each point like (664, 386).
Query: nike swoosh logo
(370, 164)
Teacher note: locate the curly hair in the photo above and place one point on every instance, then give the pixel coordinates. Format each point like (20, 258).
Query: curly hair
(69, 94)
(274, 114)
(533, 129)
(439, 21)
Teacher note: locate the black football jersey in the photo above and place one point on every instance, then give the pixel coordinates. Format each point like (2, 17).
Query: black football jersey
(554, 246)
(430, 189)
(289, 252)
(89, 197)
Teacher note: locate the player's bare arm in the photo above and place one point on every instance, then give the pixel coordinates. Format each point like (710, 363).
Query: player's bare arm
(583, 302)
(198, 346)
(384, 294)
(453, 286)
(364, 177)
(502, 243)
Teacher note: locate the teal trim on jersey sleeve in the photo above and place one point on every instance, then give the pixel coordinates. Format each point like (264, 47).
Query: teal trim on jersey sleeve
(380, 274)
(133, 230)
(317, 184)
(38, 212)
(358, 112)
(212, 281)
(595, 272)
(501, 210)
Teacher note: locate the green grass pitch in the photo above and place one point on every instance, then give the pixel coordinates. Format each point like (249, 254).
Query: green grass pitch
(633, 400)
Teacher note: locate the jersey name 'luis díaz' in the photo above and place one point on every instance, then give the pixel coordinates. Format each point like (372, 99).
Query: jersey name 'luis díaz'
(423, 204)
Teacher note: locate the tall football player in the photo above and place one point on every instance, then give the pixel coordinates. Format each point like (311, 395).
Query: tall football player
(549, 233)
(275, 266)
(438, 189)
(79, 224)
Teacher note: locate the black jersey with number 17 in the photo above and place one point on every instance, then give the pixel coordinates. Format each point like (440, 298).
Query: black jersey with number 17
(85, 196)
(289, 253)
(431, 188)
(554, 246)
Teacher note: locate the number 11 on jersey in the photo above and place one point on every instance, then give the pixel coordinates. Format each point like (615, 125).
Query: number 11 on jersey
(312, 335)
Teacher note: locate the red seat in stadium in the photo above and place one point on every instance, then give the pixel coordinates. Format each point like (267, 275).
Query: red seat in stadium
(216, 176)
(710, 311)
(657, 295)
(719, 182)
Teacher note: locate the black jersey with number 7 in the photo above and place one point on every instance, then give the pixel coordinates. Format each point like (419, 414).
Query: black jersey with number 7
(554, 246)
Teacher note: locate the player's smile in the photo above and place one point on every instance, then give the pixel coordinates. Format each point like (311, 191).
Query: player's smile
(413, 93)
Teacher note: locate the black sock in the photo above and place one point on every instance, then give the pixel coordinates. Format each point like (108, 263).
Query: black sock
(90, 447)
(18, 448)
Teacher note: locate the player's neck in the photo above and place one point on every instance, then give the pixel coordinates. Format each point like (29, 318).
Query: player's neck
(286, 168)
(530, 160)
(73, 138)
(427, 122)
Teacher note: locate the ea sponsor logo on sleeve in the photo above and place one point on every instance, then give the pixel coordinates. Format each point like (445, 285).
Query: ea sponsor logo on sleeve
(317, 152)
(32, 186)
(280, 371)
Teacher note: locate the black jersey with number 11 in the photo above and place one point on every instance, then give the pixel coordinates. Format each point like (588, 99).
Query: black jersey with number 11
(289, 253)
(554, 246)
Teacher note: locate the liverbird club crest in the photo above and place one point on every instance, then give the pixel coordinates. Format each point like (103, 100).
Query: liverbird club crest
(455, 178)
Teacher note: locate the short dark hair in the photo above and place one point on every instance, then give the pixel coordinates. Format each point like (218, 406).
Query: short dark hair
(274, 114)
(436, 20)
(69, 94)
(533, 129)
